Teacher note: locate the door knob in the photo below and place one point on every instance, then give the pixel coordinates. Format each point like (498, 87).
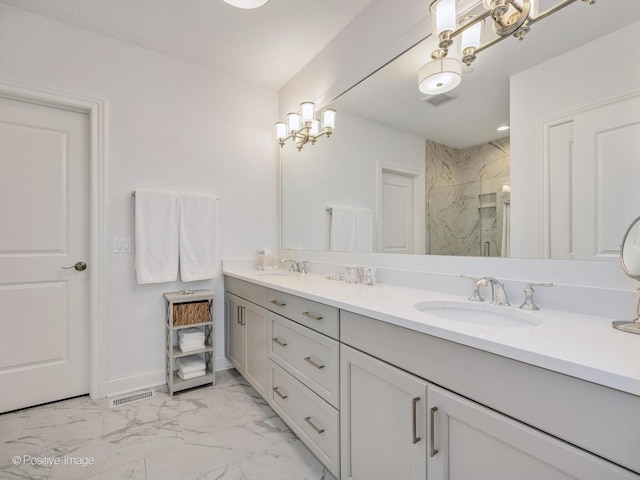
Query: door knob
(79, 266)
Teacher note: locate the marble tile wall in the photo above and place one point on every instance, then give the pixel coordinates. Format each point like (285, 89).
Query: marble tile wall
(465, 202)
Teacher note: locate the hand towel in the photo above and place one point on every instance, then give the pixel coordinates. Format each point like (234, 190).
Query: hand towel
(506, 231)
(351, 229)
(191, 348)
(198, 236)
(190, 364)
(156, 236)
(192, 332)
(189, 376)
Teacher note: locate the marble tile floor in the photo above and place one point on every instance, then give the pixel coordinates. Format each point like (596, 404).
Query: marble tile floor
(224, 432)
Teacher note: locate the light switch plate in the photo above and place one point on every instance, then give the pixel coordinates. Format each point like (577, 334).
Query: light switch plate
(122, 245)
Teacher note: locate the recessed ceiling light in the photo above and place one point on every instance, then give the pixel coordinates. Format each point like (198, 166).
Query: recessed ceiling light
(503, 128)
(246, 4)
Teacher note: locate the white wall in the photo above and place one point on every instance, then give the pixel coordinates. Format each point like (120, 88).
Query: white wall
(601, 70)
(170, 125)
(341, 170)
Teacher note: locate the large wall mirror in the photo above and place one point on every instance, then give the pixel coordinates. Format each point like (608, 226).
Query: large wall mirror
(435, 175)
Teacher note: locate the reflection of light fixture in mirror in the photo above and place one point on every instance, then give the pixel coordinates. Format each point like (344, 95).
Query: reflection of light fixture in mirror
(503, 128)
(509, 17)
(304, 127)
(246, 4)
(630, 261)
(440, 76)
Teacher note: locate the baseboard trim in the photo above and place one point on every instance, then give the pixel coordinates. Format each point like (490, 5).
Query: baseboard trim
(139, 381)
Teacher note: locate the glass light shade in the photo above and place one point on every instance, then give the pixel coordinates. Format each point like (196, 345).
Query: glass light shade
(246, 4)
(444, 16)
(329, 118)
(307, 110)
(440, 76)
(534, 7)
(471, 36)
(294, 122)
(281, 130)
(486, 4)
(315, 128)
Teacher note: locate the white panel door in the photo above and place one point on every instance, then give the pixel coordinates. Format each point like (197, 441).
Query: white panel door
(593, 181)
(397, 213)
(44, 213)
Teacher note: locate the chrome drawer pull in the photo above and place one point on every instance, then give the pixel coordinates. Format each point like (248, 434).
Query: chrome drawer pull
(312, 316)
(275, 389)
(278, 303)
(311, 362)
(432, 451)
(416, 438)
(279, 342)
(318, 430)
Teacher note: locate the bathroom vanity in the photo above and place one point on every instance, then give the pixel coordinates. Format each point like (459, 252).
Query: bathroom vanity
(378, 389)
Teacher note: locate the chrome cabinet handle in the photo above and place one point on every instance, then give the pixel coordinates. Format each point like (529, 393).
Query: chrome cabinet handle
(239, 315)
(278, 303)
(312, 316)
(79, 266)
(432, 414)
(312, 363)
(318, 430)
(283, 397)
(415, 438)
(279, 342)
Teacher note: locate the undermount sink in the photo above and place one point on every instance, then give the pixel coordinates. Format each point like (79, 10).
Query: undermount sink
(479, 314)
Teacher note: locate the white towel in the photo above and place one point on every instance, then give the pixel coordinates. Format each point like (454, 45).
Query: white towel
(190, 364)
(191, 348)
(198, 236)
(189, 376)
(189, 333)
(156, 236)
(351, 229)
(506, 233)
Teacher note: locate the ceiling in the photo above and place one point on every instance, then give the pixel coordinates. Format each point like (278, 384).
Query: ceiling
(391, 95)
(267, 46)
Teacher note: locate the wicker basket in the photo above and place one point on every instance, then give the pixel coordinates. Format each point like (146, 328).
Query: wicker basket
(191, 312)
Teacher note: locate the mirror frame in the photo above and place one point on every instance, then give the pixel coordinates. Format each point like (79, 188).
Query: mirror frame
(634, 224)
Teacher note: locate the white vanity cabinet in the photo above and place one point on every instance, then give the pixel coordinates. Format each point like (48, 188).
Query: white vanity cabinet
(246, 339)
(383, 420)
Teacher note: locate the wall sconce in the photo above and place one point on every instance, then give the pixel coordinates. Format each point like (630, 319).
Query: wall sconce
(304, 127)
(508, 17)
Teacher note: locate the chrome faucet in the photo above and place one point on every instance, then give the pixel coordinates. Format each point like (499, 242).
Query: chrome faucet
(475, 296)
(528, 295)
(300, 267)
(498, 293)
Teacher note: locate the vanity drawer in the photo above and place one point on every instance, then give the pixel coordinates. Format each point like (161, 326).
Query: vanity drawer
(310, 357)
(249, 291)
(317, 316)
(314, 421)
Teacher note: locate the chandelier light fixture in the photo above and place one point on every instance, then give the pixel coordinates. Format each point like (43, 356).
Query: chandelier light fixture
(246, 4)
(508, 17)
(304, 127)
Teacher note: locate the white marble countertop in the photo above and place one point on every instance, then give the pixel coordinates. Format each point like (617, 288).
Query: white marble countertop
(581, 346)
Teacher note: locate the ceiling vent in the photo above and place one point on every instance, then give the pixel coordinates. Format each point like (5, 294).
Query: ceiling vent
(437, 100)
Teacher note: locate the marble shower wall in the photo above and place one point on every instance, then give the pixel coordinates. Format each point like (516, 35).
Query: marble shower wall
(465, 202)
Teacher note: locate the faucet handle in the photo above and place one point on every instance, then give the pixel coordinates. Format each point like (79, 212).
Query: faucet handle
(528, 303)
(477, 283)
(302, 266)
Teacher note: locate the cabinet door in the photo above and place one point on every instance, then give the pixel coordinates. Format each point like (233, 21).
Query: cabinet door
(235, 332)
(382, 420)
(473, 442)
(255, 323)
